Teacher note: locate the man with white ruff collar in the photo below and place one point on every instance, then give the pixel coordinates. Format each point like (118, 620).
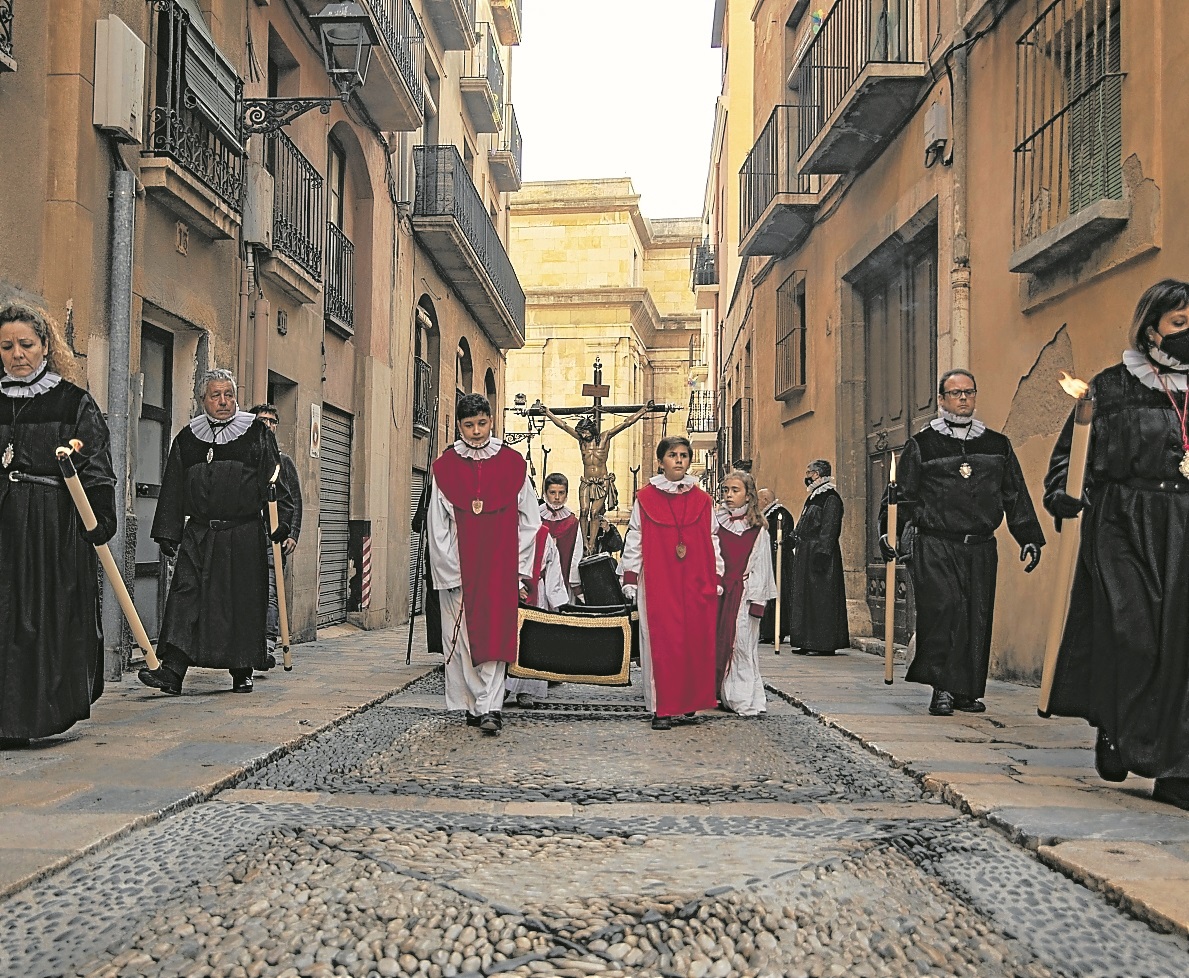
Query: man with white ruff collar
(209, 515)
(483, 521)
(956, 480)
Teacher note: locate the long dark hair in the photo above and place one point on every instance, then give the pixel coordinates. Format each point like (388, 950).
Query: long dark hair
(1165, 296)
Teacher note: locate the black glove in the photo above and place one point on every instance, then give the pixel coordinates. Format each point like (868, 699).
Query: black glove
(280, 534)
(893, 494)
(169, 548)
(1064, 506)
(1031, 553)
(886, 549)
(104, 531)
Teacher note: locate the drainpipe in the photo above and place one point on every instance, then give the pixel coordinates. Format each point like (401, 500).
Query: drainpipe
(245, 347)
(119, 369)
(960, 268)
(260, 314)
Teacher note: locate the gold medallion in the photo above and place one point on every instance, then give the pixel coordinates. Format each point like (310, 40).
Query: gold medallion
(964, 470)
(8, 454)
(681, 551)
(477, 506)
(210, 455)
(1184, 466)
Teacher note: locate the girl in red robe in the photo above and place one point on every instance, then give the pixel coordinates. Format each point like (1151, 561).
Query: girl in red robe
(671, 566)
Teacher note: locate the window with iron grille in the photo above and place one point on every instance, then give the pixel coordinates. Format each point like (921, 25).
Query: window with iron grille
(790, 335)
(1069, 114)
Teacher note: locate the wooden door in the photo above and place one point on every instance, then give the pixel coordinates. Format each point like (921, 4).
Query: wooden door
(154, 429)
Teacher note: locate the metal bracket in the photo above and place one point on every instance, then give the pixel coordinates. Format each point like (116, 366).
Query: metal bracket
(265, 115)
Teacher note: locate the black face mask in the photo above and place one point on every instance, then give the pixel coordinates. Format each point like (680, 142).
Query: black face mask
(810, 480)
(1176, 346)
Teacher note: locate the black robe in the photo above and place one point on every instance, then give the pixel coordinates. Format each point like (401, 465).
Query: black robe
(218, 599)
(818, 592)
(1124, 661)
(954, 581)
(51, 639)
(768, 622)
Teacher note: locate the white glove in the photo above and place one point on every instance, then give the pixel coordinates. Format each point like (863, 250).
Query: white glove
(719, 589)
(629, 592)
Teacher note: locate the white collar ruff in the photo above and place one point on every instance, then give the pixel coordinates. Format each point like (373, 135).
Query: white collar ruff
(555, 515)
(818, 486)
(213, 431)
(954, 426)
(44, 380)
(726, 518)
(1143, 370)
(664, 485)
(775, 504)
(490, 450)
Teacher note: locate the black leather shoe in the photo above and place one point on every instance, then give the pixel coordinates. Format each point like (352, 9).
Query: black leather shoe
(525, 701)
(687, 720)
(242, 684)
(159, 679)
(1107, 762)
(1172, 791)
(270, 661)
(968, 704)
(472, 720)
(662, 723)
(490, 724)
(942, 704)
(817, 652)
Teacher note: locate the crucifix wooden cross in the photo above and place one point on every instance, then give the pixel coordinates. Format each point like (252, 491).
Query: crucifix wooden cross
(598, 390)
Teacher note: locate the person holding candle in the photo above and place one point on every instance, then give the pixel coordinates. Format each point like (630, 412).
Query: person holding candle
(672, 566)
(956, 480)
(1123, 664)
(780, 526)
(51, 639)
(817, 623)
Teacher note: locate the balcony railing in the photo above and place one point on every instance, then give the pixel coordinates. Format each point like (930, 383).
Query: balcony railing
(702, 416)
(197, 126)
(770, 175)
(858, 35)
(453, 22)
(339, 294)
(506, 161)
(445, 190)
(482, 80)
(511, 140)
(509, 18)
(703, 269)
(297, 219)
(405, 39)
(6, 59)
(422, 396)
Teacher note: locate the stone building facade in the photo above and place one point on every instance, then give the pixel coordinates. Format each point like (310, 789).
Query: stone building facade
(930, 184)
(347, 266)
(603, 281)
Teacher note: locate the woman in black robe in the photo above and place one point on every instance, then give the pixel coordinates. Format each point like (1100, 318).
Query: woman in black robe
(1124, 660)
(51, 640)
(817, 624)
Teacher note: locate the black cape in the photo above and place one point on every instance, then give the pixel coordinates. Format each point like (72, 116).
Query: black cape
(51, 640)
(817, 592)
(1124, 660)
(768, 622)
(954, 582)
(218, 599)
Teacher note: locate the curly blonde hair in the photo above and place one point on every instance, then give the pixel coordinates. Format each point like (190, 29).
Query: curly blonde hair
(755, 516)
(58, 352)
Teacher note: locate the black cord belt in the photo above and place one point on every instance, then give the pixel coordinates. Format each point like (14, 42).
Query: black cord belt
(38, 480)
(967, 538)
(1158, 485)
(226, 524)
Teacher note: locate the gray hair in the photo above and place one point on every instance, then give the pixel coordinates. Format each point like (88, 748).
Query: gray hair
(218, 374)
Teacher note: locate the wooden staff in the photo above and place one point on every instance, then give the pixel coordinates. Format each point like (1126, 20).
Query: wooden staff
(1067, 549)
(779, 593)
(83, 504)
(889, 614)
(279, 570)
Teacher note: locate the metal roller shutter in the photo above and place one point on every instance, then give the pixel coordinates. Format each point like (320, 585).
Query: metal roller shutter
(334, 496)
(415, 488)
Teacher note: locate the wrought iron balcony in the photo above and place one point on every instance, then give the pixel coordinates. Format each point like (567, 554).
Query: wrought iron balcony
(453, 22)
(422, 397)
(860, 78)
(702, 422)
(777, 200)
(453, 225)
(508, 16)
(703, 269)
(505, 162)
(339, 294)
(482, 81)
(297, 220)
(7, 61)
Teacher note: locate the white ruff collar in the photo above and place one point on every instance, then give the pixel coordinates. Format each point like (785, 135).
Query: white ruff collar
(954, 426)
(44, 380)
(490, 450)
(726, 519)
(775, 503)
(818, 486)
(211, 430)
(1143, 370)
(685, 485)
(555, 515)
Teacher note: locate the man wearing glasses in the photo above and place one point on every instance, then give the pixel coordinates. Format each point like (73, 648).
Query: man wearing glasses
(287, 485)
(956, 480)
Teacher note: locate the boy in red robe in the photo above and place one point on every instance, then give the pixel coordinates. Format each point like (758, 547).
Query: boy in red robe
(671, 565)
(563, 527)
(482, 524)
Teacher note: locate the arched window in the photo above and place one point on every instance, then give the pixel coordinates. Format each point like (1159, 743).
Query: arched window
(489, 388)
(464, 374)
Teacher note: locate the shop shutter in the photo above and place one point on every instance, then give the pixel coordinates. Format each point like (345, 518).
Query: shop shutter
(334, 497)
(416, 591)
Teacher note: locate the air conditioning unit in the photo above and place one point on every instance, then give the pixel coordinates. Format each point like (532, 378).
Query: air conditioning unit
(119, 80)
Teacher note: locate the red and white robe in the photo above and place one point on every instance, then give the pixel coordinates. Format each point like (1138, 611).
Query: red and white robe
(567, 534)
(546, 589)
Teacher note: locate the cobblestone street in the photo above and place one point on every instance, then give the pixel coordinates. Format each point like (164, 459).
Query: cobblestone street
(580, 842)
